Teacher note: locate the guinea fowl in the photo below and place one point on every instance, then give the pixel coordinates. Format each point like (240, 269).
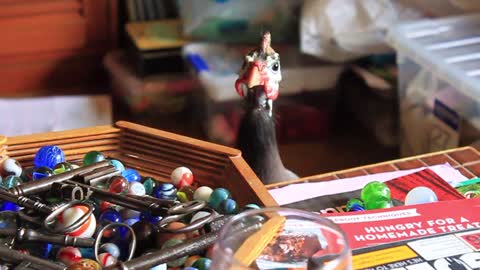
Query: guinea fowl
(258, 83)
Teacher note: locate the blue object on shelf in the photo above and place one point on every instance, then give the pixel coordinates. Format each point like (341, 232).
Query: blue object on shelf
(197, 62)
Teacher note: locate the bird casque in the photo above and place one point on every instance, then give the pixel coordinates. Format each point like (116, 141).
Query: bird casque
(258, 83)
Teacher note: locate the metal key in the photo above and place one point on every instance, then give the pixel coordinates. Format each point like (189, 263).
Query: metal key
(139, 203)
(51, 212)
(15, 256)
(29, 235)
(189, 247)
(100, 170)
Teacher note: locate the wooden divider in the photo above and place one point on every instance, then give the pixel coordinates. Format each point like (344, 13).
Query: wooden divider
(75, 143)
(157, 152)
(161, 152)
(151, 152)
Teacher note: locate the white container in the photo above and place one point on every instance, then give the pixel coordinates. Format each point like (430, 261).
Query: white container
(439, 86)
(221, 106)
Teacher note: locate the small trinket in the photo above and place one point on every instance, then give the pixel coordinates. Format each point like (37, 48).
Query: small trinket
(420, 195)
(202, 264)
(136, 188)
(228, 207)
(354, 205)
(11, 181)
(202, 193)
(11, 167)
(150, 184)
(74, 213)
(182, 176)
(92, 157)
(118, 165)
(376, 195)
(106, 259)
(185, 194)
(217, 196)
(69, 255)
(62, 167)
(165, 191)
(48, 156)
(118, 184)
(111, 249)
(131, 175)
(41, 172)
(85, 264)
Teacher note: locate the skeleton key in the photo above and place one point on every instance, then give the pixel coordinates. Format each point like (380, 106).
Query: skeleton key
(46, 183)
(16, 256)
(29, 235)
(189, 247)
(158, 208)
(51, 212)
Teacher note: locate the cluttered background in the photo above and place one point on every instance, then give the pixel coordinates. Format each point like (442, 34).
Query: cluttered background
(363, 81)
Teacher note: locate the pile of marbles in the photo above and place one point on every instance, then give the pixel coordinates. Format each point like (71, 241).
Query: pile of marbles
(376, 195)
(50, 160)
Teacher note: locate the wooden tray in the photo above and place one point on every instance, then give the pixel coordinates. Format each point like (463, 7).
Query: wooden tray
(152, 152)
(464, 159)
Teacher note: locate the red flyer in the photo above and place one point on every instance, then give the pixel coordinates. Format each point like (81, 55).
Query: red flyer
(374, 227)
(399, 188)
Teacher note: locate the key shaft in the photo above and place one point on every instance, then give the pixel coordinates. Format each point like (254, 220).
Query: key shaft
(16, 256)
(45, 184)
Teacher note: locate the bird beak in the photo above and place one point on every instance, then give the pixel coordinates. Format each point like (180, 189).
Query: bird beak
(253, 77)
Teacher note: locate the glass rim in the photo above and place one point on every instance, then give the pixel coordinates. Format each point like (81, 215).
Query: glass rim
(294, 212)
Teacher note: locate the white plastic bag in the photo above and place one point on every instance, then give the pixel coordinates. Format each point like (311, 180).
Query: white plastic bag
(340, 30)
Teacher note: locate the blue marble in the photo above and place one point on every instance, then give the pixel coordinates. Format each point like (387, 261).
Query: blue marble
(150, 218)
(131, 221)
(165, 191)
(131, 175)
(9, 206)
(118, 165)
(41, 172)
(217, 196)
(110, 215)
(228, 207)
(48, 156)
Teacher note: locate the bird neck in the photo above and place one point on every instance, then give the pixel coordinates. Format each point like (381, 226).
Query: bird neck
(258, 143)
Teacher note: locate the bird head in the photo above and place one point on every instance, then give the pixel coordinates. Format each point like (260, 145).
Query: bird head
(260, 70)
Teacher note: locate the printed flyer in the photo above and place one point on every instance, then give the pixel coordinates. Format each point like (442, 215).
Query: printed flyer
(374, 227)
(447, 251)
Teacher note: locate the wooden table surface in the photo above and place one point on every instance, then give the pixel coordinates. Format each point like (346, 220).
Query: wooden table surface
(464, 159)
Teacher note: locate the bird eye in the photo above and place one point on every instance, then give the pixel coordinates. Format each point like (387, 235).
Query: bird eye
(276, 67)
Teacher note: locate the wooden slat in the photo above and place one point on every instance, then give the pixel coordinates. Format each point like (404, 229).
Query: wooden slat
(172, 164)
(68, 146)
(58, 135)
(75, 159)
(410, 162)
(173, 156)
(200, 176)
(130, 137)
(244, 184)
(114, 135)
(71, 152)
(178, 139)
